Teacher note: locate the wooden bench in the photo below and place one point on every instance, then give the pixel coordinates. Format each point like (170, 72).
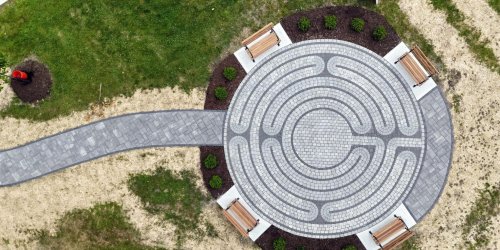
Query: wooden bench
(411, 65)
(388, 231)
(240, 217)
(256, 49)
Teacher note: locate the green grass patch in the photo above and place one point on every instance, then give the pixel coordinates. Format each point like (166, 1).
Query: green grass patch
(477, 229)
(176, 197)
(122, 44)
(103, 226)
(456, 100)
(411, 244)
(479, 47)
(495, 4)
(128, 45)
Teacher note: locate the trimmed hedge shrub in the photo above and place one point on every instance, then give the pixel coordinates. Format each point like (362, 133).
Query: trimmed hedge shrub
(357, 24)
(330, 22)
(230, 73)
(304, 24)
(279, 244)
(210, 161)
(379, 33)
(221, 93)
(215, 182)
(349, 247)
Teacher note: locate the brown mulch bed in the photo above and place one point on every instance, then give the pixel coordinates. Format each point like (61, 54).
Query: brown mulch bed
(38, 88)
(218, 79)
(221, 170)
(266, 240)
(343, 30)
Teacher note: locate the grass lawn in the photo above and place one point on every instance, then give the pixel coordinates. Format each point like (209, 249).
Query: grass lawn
(103, 226)
(126, 45)
(176, 197)
(123, 45)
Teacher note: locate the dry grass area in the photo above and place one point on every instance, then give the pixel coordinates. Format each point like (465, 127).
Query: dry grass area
(146, 100)
(37, 204)
(484, 18)
(477, 137)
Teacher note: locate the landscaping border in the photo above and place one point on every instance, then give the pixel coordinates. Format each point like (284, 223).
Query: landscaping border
(343, 30)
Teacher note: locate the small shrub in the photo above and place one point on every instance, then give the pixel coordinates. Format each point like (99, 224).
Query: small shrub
(221, 93)
(330, 22)
(230, 73)
(210, 161)
(279, 244)
(349, 247)
(300, 248)
(304, 24)
(215, 182)
(357, 24)
(379, 33)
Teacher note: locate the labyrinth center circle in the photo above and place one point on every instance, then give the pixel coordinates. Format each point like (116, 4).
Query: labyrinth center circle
(321, 138)
(324, 139)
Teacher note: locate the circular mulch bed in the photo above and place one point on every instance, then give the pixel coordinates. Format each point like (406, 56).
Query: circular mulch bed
(221, 170)
(317, 31)
(343, 30)
(218, 79)
(41, 81)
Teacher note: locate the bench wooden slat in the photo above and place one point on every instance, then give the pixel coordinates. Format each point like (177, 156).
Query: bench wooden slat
(388, 230)
(263, 45)
(415, 71)
(244, 215)
(257, 34)
(426, 63)
(240, 217)
(235, 224)
(398, 240)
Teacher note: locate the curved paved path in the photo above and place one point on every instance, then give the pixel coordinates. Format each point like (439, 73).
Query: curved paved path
(109, 136)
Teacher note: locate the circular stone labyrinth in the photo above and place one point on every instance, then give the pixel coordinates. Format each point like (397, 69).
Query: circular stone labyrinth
(324, 139)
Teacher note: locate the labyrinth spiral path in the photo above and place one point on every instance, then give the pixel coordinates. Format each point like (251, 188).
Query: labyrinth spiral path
(324, 139)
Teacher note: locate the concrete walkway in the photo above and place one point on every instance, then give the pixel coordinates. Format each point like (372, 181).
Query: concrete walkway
(109, 136)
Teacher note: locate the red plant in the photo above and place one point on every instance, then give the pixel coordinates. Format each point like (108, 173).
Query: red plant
(18, 74)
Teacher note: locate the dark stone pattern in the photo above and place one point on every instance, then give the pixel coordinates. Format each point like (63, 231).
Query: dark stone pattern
(324, 139)
(88, 142)
(437, 159)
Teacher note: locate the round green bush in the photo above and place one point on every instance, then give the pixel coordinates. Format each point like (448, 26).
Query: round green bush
(357, 24)
(330, 22)
(349, 247)
(304, 24)
(230, 73)
(210, 161)
(379, 33)
(215, 182)
(279, 244)
(221, 93)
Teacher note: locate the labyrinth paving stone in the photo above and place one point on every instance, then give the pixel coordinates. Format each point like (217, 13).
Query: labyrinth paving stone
(437, 160)
(141, 130)
(324, 139)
